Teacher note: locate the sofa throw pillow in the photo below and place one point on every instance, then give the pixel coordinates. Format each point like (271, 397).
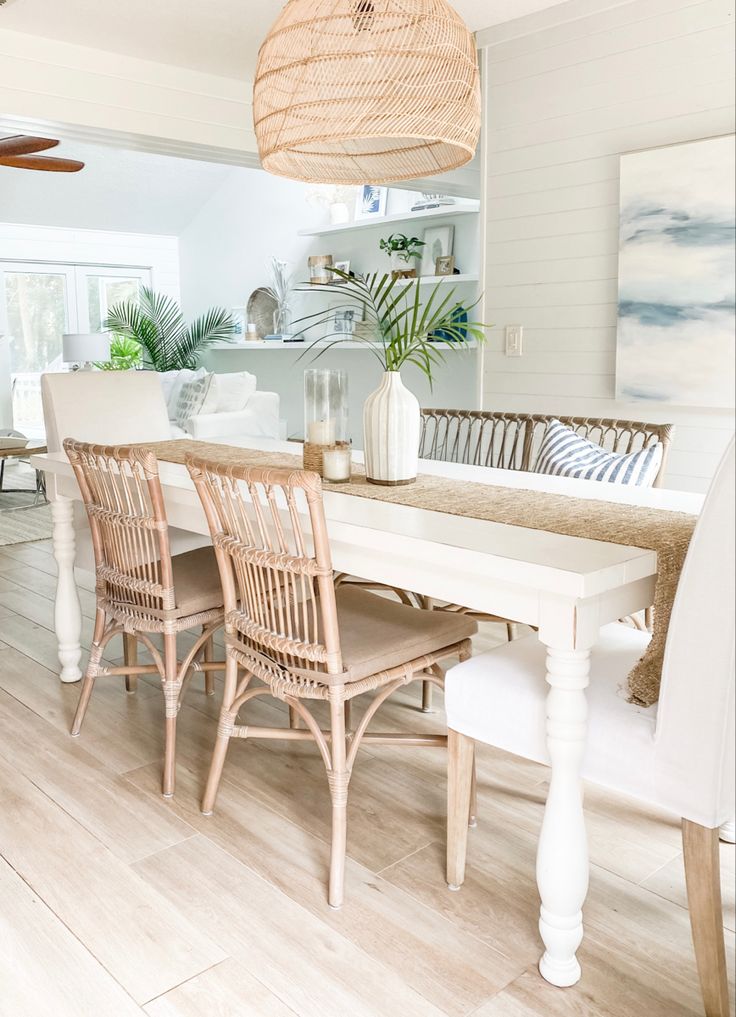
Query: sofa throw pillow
(171, 383)
(564, 453)
(192, 395)
(233, 391)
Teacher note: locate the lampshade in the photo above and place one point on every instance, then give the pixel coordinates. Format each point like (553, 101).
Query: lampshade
(80, 348)
(366, 91)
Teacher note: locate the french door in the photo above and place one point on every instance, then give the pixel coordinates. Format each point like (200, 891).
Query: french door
(39, 302)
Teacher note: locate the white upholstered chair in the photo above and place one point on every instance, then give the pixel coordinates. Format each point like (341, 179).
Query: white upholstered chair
(109, 408)
(678, 754)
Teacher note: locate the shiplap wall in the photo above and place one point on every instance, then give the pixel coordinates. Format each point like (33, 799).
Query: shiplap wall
(113, 98)
(567, 91)
(94, 247)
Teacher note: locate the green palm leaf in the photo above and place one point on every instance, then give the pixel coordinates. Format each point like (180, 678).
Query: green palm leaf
(156, 322)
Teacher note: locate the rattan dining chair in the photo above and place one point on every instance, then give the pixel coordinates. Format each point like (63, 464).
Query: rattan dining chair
(141, 588)
(511, 441)
(305, 642)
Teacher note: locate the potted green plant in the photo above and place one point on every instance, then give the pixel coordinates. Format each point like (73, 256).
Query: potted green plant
(126, 354)
(155, 321)
(404, 328)
(401, 249)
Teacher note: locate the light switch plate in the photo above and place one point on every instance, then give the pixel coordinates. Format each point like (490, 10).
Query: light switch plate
(514, 340)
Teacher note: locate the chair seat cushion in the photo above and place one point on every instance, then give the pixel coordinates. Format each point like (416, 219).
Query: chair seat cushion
(196, 581)
(377, 633)
(499, 698)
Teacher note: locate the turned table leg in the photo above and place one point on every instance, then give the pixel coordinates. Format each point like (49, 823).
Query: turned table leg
(67, 610)
(562, 856)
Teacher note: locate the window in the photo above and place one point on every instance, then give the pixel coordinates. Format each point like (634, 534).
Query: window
(41, 303)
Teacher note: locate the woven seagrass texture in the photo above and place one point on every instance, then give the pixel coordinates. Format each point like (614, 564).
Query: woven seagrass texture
(366, 91)
(134, 574)
(511, 441)
(668, 533)
(269, 531)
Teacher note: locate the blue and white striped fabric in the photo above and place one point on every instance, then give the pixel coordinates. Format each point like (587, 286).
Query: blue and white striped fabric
(566, 454)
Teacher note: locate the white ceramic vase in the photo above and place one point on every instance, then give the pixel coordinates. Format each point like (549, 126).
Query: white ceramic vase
(391, 422)
(339, 213)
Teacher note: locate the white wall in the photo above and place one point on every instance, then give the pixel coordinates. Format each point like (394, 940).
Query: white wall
(225, 254)
(118, 190)
(568, 91)
(95, 247)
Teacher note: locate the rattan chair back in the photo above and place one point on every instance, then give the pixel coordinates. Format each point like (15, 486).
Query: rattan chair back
(122, 495)
(277, 579)
(511, 441)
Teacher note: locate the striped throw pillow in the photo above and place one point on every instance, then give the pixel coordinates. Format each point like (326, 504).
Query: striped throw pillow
(564, 453)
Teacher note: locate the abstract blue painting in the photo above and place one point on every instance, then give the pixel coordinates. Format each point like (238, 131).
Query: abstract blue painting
(675, 339)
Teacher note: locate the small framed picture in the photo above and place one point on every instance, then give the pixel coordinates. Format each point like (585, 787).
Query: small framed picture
(341, 266)
(445, 265)
(438, 241)
(371, 202)
(346, 314)
(239, 320)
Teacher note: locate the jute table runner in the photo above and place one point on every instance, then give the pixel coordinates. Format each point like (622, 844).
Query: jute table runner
(668, 533)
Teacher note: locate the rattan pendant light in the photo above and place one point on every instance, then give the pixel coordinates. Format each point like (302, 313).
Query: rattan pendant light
(366, 91)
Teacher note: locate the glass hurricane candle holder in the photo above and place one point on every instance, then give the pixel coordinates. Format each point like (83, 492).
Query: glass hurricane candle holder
(325, 414)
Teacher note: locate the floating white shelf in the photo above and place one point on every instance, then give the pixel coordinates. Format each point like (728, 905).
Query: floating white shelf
(443, 212)
(334, 289)
(273, 345)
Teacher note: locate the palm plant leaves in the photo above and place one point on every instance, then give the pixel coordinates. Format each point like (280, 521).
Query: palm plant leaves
(410, 331)
(156, 322)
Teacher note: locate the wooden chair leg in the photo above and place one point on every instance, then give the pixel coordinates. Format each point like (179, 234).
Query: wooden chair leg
(427, 697)
(209, 676)
(512, 631)
(473, 807)
(703, 878)
(460, 754)
(88, 682)
(224, 729)
(338, 778)
(171, 689)
(649, 618)
(130, 655)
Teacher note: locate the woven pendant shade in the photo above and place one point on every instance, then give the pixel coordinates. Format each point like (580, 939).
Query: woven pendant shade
(366, 91)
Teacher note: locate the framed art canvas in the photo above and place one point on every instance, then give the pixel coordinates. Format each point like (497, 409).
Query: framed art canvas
(371, 202)
(675, 336)
(438, 241)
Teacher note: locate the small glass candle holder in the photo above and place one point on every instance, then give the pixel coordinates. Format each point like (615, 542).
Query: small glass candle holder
(336, 464)
(325, 414)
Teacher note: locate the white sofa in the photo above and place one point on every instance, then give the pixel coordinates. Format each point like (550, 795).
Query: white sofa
(232, 407)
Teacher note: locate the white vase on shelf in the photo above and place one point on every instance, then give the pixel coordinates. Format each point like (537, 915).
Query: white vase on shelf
(391, 423)
(339, 213)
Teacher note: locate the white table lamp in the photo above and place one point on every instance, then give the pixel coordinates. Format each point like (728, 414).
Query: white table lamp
(85, 348)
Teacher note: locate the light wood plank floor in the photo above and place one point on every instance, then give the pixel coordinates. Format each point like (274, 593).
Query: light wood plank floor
(114, 902)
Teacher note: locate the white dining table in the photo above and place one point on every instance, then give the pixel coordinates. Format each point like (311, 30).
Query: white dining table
(566, 587)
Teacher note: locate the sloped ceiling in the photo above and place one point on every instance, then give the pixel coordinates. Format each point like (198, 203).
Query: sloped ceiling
(117, 190)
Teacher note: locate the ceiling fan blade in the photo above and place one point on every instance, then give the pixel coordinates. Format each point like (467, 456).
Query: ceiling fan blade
(23, 144)
(40, 162)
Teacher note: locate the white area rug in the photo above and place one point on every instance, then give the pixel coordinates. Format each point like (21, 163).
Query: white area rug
(22, 524)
